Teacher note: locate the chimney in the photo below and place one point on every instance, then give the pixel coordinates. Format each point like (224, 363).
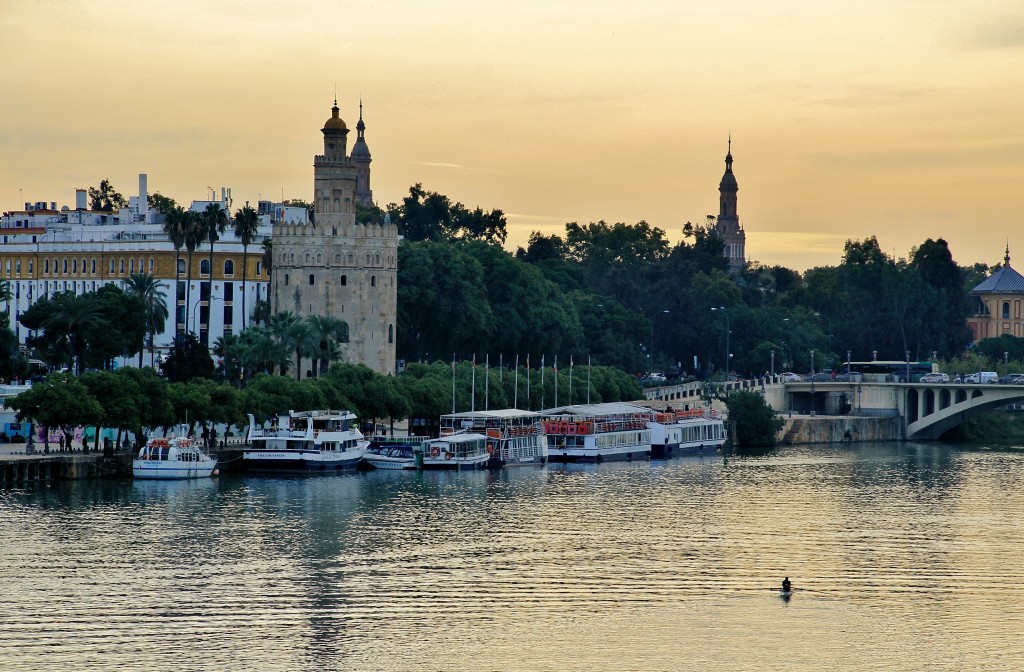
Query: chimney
(143, 195)
(81, 199)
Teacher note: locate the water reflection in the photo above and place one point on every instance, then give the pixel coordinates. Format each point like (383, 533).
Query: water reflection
(903, 554)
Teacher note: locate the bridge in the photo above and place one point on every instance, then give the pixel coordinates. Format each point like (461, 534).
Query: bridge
(927, 409)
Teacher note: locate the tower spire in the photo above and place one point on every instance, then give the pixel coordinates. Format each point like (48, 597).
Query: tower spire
(1006, 259)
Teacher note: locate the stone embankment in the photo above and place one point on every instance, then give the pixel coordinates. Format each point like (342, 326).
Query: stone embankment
(840, 428)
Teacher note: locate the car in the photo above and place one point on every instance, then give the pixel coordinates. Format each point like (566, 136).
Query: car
(789, 377)
(1012, 379)
(981, 377)
(935, 378)
(821, 378)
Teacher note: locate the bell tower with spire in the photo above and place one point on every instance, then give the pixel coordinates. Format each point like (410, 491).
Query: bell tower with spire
(728, 225)
(361, 157)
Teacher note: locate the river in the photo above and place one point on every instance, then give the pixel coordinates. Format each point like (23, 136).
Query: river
(904, 556)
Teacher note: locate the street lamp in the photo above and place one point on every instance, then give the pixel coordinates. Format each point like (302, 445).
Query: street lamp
(829, 357)
(196, 317)
(727, 332)
(650, 354)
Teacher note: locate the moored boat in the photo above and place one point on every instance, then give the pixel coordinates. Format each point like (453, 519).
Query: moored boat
(598, 432)
(320, 441)
(689, 432)
(514, 437)
(391, 454)
(172, 458)
(466, 450)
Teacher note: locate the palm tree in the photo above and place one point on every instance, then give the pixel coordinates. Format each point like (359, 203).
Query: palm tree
(147, 287)
(261, 352)
(280, 326)
(246, 224)
(214, 221)
(193, 237)
(268, 266)
(72, 316)
(5, 293)
(175, 225)
(304, 342)
(328, 331)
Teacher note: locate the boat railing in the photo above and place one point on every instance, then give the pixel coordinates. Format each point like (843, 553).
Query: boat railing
(278, 433)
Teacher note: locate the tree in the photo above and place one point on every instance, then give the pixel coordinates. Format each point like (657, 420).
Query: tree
(176, 226)
(214, 221)
(60, 401)
(246, 224)
(193, 237)
(187, 359)
(160, 203)
(72, 315)
(754, 422)
(148, 289)
(327, 331)
(106, 198)
(119, 398)
(267, 249)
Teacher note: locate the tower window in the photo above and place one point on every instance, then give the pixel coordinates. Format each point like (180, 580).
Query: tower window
(344, 280)
(310, 278)
(286, 278)
(373, 281)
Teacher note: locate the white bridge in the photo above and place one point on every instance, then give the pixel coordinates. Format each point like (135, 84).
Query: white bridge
(927, 409)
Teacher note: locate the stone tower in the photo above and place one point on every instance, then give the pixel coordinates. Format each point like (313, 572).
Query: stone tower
(361, 156)
(728, 225)
(336, 267)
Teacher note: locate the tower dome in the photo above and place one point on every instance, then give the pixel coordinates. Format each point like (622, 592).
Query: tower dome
(335, 123)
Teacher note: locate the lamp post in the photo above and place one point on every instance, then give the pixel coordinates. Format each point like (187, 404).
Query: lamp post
(828, 359)
(650, 354)
(908, 367)
(1006, 363)
(727, 332)
(195, 315)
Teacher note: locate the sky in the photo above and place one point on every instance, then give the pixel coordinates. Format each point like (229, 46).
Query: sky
(899, 119)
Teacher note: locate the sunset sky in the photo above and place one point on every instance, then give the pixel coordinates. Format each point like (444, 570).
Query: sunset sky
(900, 119)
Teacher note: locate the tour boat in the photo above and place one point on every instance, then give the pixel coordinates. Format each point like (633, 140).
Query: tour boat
(466, 450)
(305, 442)
(172, 457)
(394, 453)
(598, 432)
(689, 432)
(514, 437)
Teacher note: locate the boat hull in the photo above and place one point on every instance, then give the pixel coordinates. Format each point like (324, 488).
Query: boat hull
(679, 449)
(299, 461)
(170, 470)
(455, 464)
(564, 456)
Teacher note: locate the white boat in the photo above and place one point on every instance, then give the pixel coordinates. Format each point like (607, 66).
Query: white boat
(305, 442)
(466, 450)
(690, 432)
(514, 437)
(390, 455)
(598, 432)
(172, 458)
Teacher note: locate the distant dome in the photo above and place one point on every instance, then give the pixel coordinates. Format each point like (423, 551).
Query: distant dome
(335, 123)
(360, 150)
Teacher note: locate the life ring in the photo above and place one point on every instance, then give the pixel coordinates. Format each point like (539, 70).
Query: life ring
(434, 451)
(447, 456)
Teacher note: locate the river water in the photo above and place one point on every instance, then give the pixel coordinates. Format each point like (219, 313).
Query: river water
(905, 557)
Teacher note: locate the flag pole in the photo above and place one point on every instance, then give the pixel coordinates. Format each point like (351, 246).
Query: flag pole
(515, 395)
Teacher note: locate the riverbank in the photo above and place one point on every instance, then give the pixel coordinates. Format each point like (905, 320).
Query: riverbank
(807, 429)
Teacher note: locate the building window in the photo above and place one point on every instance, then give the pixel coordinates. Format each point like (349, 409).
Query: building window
(17, 266)
(229, 267)
(286, 278)
(391, 333)
(93, 266)
(46, 266)
(344, 280)
(228, 317)
(259, 268)
(229, 291)
(151, 265)
(65, 266)
(204, 267)
(121, 266)
(131, 266)
(311, 279)
(31, 267)
(111, 267)
(373, 281)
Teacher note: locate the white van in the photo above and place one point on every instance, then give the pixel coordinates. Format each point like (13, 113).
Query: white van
(982, 377)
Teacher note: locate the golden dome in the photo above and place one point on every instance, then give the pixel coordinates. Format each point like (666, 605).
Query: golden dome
(335, 123)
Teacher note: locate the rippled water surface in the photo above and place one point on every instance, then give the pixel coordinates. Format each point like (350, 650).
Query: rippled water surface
(906, 557)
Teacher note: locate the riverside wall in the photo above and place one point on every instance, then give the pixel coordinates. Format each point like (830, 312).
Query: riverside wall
(840, 429)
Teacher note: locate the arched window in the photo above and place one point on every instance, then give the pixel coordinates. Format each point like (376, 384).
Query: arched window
(286, 278)
(204, 267)
(120, 265)
(373, 281)
(151, 264)
(93, 266)
(391, 333)
(111, 266)
(377, 260)
(131, 265)
(311, 279)
(229, 267)
(46, 265)
(74, 266)
(142, 265)
(319, 258)
(181, 266)
(83, 266)
(1006, 310)
(65, 266)
(259, 268)
(344, 280)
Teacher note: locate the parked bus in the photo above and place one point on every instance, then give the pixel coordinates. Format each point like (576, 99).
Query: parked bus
(892, 372)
